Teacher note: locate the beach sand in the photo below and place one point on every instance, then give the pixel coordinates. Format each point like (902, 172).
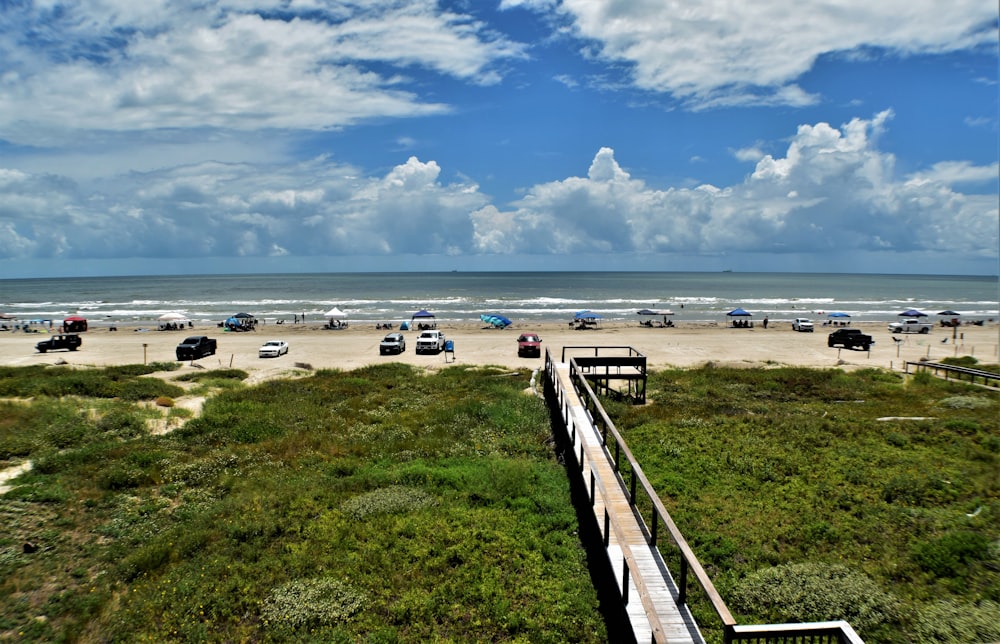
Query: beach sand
(687, 345)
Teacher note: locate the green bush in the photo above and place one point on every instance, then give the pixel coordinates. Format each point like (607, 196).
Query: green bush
(122, 422)
(954, 622)
(311, 602)
(949, 555)
(396, 499)
(814, 592)
(965, 402)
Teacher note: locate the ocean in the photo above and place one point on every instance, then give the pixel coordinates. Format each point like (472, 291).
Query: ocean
(463, 296)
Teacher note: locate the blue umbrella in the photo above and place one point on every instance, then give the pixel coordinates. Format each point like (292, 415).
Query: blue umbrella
(839, 314)
(587, 315)
(495, 320)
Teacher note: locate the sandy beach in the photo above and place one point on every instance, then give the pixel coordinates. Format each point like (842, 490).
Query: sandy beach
(686, 345)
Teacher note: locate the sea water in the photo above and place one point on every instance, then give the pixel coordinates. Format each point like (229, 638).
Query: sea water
(463, 296)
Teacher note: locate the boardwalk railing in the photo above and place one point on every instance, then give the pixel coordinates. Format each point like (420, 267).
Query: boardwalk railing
(954, 371)
(653, 516)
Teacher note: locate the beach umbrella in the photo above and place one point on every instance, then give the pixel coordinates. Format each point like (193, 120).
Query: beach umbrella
(587, 315)
(839, 314)
(243, 316)
(949, 312)
(912, 313)
(739, 313)
(173, 317)
(495, 320)
(335, 314)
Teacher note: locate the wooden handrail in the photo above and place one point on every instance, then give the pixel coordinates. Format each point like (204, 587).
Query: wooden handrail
(687, 555)
(839, 631)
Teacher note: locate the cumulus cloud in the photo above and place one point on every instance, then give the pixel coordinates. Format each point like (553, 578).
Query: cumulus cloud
(832, 191)
(717, 52)
(121, 66)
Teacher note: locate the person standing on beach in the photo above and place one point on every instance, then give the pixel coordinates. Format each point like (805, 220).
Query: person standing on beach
(765, 321)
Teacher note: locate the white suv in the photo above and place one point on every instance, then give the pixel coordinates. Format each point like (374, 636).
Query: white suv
(802, 324)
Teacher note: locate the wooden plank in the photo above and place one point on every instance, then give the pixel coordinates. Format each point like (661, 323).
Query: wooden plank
(652, 594)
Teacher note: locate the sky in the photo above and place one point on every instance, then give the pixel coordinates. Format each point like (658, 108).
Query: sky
(322, 135)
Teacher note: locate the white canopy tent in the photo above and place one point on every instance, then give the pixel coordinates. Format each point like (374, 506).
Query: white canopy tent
(335, 319)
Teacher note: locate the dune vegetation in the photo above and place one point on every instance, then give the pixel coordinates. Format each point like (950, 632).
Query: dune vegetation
(377, 505)
(389, 504)
(813, 494)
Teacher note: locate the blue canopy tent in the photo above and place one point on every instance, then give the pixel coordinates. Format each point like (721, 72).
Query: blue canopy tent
(423, 319)
(741, 323)
(585, 318)
(912, 313)
(652, 313)
(838, 318)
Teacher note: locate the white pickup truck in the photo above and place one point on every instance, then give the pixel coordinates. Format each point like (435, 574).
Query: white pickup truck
(430, 342)
(802, 324)
(910, 326)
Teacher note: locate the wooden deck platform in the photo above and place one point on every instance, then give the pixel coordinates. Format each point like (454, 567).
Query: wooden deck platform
(648, 589)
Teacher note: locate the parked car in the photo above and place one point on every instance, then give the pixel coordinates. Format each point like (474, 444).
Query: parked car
(392, 343)
(802, 324)
(430, 342)
(69, 341)
(529, 345)
(910, 326)
(849, 339)
(273, 349)
(197, 346)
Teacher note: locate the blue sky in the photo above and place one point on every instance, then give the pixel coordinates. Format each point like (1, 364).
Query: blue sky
(301, 135)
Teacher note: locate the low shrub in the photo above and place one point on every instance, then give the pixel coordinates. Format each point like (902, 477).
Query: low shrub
(949, 555)
(311, 602)
(395, 499)
(965, 402)
(814, 592)
(953, 622)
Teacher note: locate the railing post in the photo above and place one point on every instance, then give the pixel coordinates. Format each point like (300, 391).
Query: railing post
(593, 487)
(631, 491)
(625, 581)
(683, 586)
(655, 527)
(607, 527)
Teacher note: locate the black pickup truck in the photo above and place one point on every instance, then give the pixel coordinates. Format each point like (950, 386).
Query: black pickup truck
(68, 341)
(849, 339)
(197, 346)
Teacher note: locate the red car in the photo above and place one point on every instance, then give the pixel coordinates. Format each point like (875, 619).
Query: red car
(529, 345)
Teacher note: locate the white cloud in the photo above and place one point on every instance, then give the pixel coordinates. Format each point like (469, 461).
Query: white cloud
(833, 191)
(717, 52)
(128, 66)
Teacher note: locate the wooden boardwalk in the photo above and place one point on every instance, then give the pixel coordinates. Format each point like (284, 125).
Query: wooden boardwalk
(648, 589)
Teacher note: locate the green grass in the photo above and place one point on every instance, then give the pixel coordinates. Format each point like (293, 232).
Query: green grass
(385, 504)
(379, 505)
(765, 470)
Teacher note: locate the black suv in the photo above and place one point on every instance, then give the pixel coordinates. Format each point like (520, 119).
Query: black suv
(68, 341)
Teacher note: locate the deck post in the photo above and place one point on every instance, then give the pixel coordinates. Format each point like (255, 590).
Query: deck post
(625, 581)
